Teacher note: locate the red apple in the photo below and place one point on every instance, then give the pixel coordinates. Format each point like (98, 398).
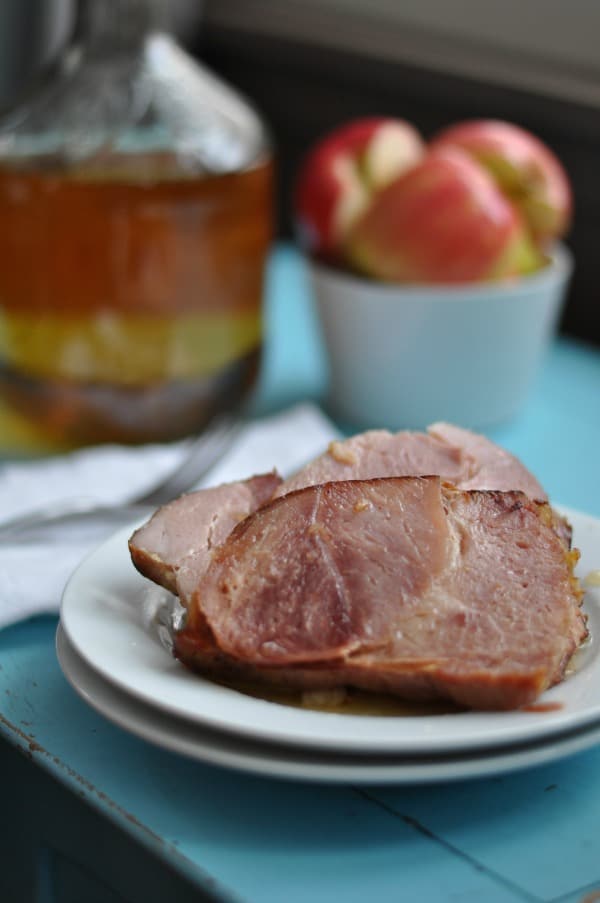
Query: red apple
(341, 173)
(443, 221)
(525, 169)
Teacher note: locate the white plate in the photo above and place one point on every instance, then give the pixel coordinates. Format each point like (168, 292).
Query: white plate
(102, 616)
(271, 760)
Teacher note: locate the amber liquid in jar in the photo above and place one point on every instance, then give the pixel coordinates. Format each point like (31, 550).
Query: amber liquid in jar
(130, 298)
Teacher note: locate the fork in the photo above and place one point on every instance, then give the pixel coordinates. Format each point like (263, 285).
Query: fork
(203, 454)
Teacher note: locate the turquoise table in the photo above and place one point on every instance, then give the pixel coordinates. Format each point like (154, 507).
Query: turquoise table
(91, 814)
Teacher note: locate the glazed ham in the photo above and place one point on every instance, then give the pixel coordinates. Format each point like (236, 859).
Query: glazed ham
(173, 549)
(359, 571)
(403, 585)
(467, 460)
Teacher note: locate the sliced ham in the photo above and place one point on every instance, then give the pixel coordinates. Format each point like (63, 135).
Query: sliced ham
(403, 585)
(465, 459)
(492, 466)
(358, 572)
(174, 547)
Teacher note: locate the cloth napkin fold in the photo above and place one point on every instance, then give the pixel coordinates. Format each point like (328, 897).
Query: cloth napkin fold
(33, 574)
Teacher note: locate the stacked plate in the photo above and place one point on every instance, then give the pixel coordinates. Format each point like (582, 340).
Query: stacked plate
(113, 655)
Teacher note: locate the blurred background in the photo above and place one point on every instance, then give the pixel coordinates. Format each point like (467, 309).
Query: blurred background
(311, 64)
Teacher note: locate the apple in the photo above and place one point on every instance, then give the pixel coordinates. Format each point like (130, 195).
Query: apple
(443, 221)
(341, 174)
(525, 169)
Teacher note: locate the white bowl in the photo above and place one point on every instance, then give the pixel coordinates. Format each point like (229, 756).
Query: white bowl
(404, 356)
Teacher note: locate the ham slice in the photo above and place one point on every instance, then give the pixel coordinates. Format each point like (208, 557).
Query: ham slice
(492, 466)
(402, 585)
(174, 547)
(467, 460)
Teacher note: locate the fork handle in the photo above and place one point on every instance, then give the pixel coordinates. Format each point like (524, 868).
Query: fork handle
(29, 525)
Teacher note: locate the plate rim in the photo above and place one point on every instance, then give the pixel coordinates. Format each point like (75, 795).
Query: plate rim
(530, 725)
(218, 749)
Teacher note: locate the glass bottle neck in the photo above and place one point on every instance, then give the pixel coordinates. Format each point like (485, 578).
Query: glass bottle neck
(110, 27)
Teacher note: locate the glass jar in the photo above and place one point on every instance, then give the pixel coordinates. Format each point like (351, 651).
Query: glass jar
(135, 219)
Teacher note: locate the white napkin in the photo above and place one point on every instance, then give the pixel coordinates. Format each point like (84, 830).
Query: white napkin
(33, 574)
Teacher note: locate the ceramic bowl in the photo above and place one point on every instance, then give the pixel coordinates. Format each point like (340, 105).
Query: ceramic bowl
(403, 356)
